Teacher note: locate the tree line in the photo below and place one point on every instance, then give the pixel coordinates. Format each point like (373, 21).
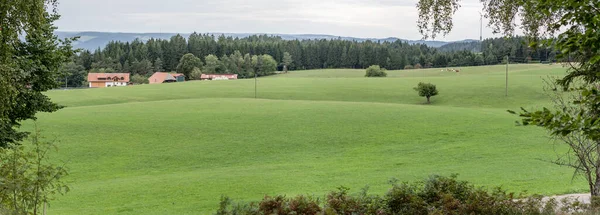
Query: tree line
(144, 58)
(244, 66)
(495, 50)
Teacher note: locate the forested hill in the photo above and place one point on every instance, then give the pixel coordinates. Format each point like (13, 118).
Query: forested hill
(473, 46)
(252, 55)
(93, 40)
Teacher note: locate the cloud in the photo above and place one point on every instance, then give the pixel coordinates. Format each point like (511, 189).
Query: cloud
(358, 18)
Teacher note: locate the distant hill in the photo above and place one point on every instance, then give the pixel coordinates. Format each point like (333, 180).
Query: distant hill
(93, 40)
(469, 45)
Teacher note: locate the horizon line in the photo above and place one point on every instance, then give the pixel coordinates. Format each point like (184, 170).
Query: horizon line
(269, 34)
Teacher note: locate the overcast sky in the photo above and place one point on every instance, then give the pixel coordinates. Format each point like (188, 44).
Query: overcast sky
(356, 18)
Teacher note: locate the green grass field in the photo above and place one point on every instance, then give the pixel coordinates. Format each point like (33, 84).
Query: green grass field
(176, 148)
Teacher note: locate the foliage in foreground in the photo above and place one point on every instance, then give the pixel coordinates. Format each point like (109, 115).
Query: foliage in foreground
(435, 195)
(30, 58)
(28, 180)
(375, 71)
(576, 24)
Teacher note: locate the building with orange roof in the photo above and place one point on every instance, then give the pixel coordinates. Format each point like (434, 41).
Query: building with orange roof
(163, 77)
(100, 80)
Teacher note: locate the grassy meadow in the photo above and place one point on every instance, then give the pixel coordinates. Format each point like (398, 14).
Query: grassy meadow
(176, 148)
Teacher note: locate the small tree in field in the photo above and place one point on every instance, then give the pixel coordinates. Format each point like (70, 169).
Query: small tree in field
(375, 71)
(426, 90)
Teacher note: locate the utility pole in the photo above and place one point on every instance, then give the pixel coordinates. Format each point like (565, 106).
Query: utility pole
(507, 75)
(258, 65)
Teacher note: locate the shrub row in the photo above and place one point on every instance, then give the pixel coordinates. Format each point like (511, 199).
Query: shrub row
(435, 195)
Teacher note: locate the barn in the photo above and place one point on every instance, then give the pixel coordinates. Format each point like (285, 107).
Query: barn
(163, 77)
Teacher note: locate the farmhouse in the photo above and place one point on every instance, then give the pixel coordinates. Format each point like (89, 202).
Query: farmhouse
(218, 76)
(163, 77)
(99, 80)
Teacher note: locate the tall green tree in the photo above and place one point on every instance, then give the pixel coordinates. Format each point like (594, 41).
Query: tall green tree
(29, 65)
(237, 62)
(85, 59)
(158, 65)
(174, 50)
(226, 65)
(247, 68)
(187, 63)
(72, 75)
(264, 64)
(576, 24)
(287, 61)
(213, 64)
(143, 67)
(269, 65)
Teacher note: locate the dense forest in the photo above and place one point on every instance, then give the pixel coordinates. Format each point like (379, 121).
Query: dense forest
(144, 58)
(474, 46)
(495, 49)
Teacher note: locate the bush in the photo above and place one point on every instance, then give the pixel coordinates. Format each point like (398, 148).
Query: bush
(375, 71)
(196, 74)
(408, 67)
(418, 66)
(271, 205)
(139, 79)
(435, 195)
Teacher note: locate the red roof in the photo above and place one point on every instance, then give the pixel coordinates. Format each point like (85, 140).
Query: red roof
(108, 77)
(160, 77)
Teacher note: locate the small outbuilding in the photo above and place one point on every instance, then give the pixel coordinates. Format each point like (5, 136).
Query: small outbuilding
(179, 76)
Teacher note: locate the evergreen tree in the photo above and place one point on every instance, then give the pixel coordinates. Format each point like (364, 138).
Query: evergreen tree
(226, 65)
(237, 62)
(174, 50)
(158, 65)
(247, 68)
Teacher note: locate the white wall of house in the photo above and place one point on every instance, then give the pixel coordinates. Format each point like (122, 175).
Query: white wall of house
(115, 84)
